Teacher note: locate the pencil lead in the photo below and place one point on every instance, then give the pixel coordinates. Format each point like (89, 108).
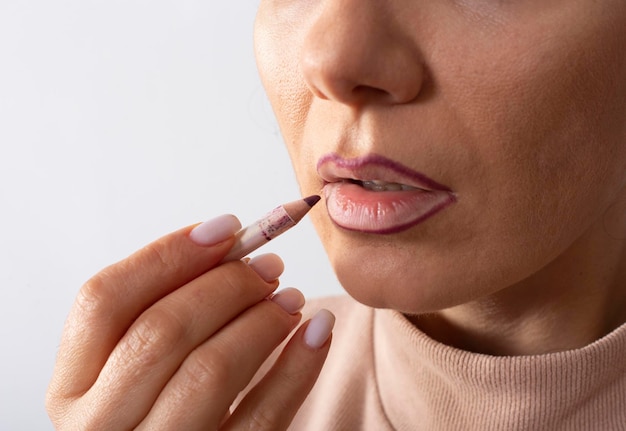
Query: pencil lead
(312, 200)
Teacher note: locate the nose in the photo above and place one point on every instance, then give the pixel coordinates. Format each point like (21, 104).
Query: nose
(354, 53)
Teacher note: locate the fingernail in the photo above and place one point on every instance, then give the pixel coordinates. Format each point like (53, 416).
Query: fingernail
(268, 266)
(319, 329)
(215, 230)
(290, 299)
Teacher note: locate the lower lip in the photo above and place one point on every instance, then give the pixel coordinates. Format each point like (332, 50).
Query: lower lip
(355, 208)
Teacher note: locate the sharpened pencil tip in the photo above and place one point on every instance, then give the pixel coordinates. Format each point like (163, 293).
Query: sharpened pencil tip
(312, 200)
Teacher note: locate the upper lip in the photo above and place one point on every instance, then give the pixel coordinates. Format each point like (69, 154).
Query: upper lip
(334, 168)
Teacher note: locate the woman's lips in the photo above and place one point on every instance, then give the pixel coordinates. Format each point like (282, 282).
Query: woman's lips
(374, 194)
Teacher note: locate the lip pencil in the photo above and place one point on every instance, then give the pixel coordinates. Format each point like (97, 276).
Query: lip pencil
(272, 224)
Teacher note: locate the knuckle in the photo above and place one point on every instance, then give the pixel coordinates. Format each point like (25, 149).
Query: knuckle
(58, 409)
(97, 296)
(159, 255)
(238, 279)
(54, 407)
(294, 377)
(234, 280)
(261, 420)
(152, 337)
(208, 370)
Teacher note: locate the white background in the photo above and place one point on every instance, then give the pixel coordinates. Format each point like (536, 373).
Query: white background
(119, 122)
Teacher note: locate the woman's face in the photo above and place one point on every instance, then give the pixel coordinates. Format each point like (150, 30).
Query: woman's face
(461, 145)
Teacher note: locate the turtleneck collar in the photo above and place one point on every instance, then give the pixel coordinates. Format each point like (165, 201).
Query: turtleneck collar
(427, 385)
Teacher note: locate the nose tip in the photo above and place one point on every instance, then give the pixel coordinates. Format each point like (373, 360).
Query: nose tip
(359, 61)
(352, 84)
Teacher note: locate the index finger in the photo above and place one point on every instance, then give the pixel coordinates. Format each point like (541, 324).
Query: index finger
(110, 301)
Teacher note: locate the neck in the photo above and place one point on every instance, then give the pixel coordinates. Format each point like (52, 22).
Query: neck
(573, 301)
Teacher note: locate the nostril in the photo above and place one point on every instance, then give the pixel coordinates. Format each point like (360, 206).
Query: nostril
(364, 93)
(351, 81)
(360, 57)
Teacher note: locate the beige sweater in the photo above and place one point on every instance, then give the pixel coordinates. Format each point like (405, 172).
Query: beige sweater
(384, 374)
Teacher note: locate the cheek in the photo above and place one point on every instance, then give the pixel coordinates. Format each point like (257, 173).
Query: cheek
(544, 123)
(551, 153)
(546, 115)
(276, 42)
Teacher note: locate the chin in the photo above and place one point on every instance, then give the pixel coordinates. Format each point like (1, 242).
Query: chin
(384, 278)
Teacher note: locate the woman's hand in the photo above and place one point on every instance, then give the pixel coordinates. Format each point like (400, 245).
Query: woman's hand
(167, 338)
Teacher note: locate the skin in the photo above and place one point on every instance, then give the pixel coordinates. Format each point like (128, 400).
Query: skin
(167, 338)
(519, 107)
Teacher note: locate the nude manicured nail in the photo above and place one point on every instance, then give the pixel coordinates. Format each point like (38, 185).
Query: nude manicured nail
(268, 266)
(319, 329)
(290, 299)
(215, 230)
